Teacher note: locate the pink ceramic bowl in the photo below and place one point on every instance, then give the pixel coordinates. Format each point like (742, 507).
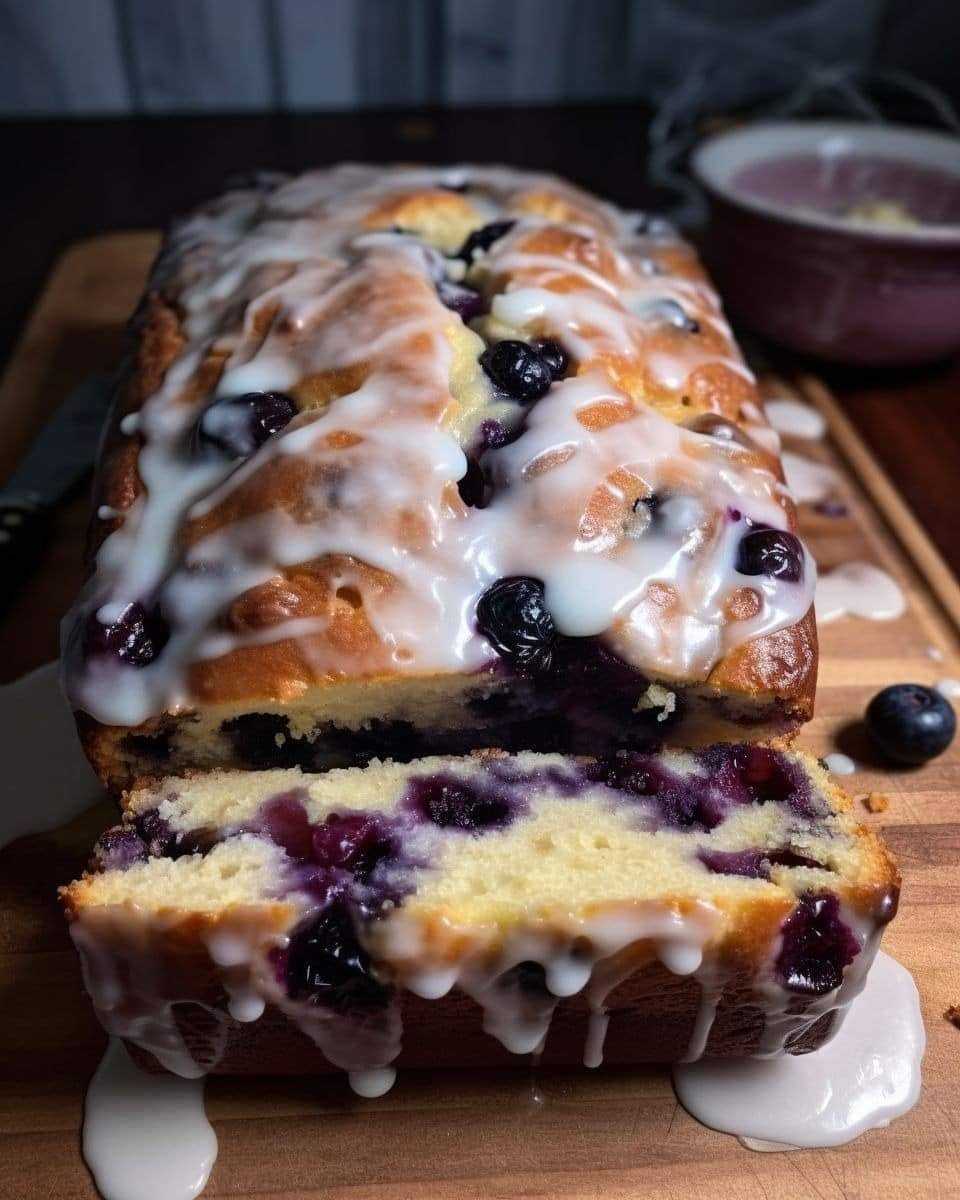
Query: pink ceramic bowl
(838, 239)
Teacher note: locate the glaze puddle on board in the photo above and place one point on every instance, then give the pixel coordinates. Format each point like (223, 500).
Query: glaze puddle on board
(793, 419)
(809, 482)
(41, 757)
(146, 1137)
(858, 589)
(867, 1075)
(839, 764)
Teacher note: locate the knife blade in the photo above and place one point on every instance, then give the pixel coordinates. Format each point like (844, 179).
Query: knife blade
(60, 456)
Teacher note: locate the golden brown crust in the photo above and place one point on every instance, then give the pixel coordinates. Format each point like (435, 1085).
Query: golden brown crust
(777, 668)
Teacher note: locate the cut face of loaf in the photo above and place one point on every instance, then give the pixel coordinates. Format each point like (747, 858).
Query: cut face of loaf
(419, 461)
(453, 912)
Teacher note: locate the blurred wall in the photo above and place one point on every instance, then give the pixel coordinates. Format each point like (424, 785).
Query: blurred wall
(83, 57)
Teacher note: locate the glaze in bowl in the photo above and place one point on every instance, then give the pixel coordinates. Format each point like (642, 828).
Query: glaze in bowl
(838, 239)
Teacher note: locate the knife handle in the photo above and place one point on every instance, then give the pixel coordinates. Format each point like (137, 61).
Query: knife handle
(23, 527)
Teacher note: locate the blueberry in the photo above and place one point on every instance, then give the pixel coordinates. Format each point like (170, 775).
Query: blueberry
(515, 620)
(454, 803)
(283, 818)
(354, 842)
(554, 355)
(239, 425)
(472, 486)
(483, 239)
(752, 864)
(772, 552)
(910, 723)
(135, 638)
(517, 369)
(464, 301)
(327, 966)
(118, 848)
(816, 946)
(263, 740)
(527, 977)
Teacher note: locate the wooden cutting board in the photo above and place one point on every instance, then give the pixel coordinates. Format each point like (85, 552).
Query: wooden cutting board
(604, 1135)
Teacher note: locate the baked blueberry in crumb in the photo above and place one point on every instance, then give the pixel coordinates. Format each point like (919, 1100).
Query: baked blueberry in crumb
(771, 552)
(483, 239)
(239, 425)
(910, 723)
(752, 864)
(517, 369)
(117, 849)
(325, 964)
(467, 804)
(512, 615)
(816, 946)
(284, 820)
(262, 740)
(136, 637)
(355, 842)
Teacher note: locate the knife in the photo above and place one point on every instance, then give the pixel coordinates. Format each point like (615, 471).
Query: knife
(58, 459)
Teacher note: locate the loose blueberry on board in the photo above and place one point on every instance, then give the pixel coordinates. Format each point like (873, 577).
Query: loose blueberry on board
(816, 946)
(517, 369)
(554, 355)
(512, 615)
(483, 239)
(239, 425)
(453, 803)
(327, 966)
(771, 552)
(910, 723)
(135, 638)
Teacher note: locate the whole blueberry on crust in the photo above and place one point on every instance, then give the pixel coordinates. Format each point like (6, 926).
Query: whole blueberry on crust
(513, 616)
(239, 425)
(554, 355)
(483, 239)
(517, 369)
(771, 552)
(910, 723)
(135, 638)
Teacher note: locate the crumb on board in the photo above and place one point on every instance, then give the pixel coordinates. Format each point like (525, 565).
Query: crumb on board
(953, 1015)
(876, 802)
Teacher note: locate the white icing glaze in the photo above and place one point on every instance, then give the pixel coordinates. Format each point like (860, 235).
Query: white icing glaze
(373, 1082)
(793, 419)
(948, 687)
(864, 1077)
(839, 764)
(809, 482)
(145, 1136)
(289, 285)
(858, 589)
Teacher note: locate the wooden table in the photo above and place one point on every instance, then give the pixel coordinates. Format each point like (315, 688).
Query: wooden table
(74, 179)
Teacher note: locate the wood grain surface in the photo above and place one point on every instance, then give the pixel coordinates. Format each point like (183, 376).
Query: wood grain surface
(601, 1135)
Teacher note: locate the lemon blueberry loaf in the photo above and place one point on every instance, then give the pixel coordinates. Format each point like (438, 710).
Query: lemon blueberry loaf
(457, 911)
(415, 461)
